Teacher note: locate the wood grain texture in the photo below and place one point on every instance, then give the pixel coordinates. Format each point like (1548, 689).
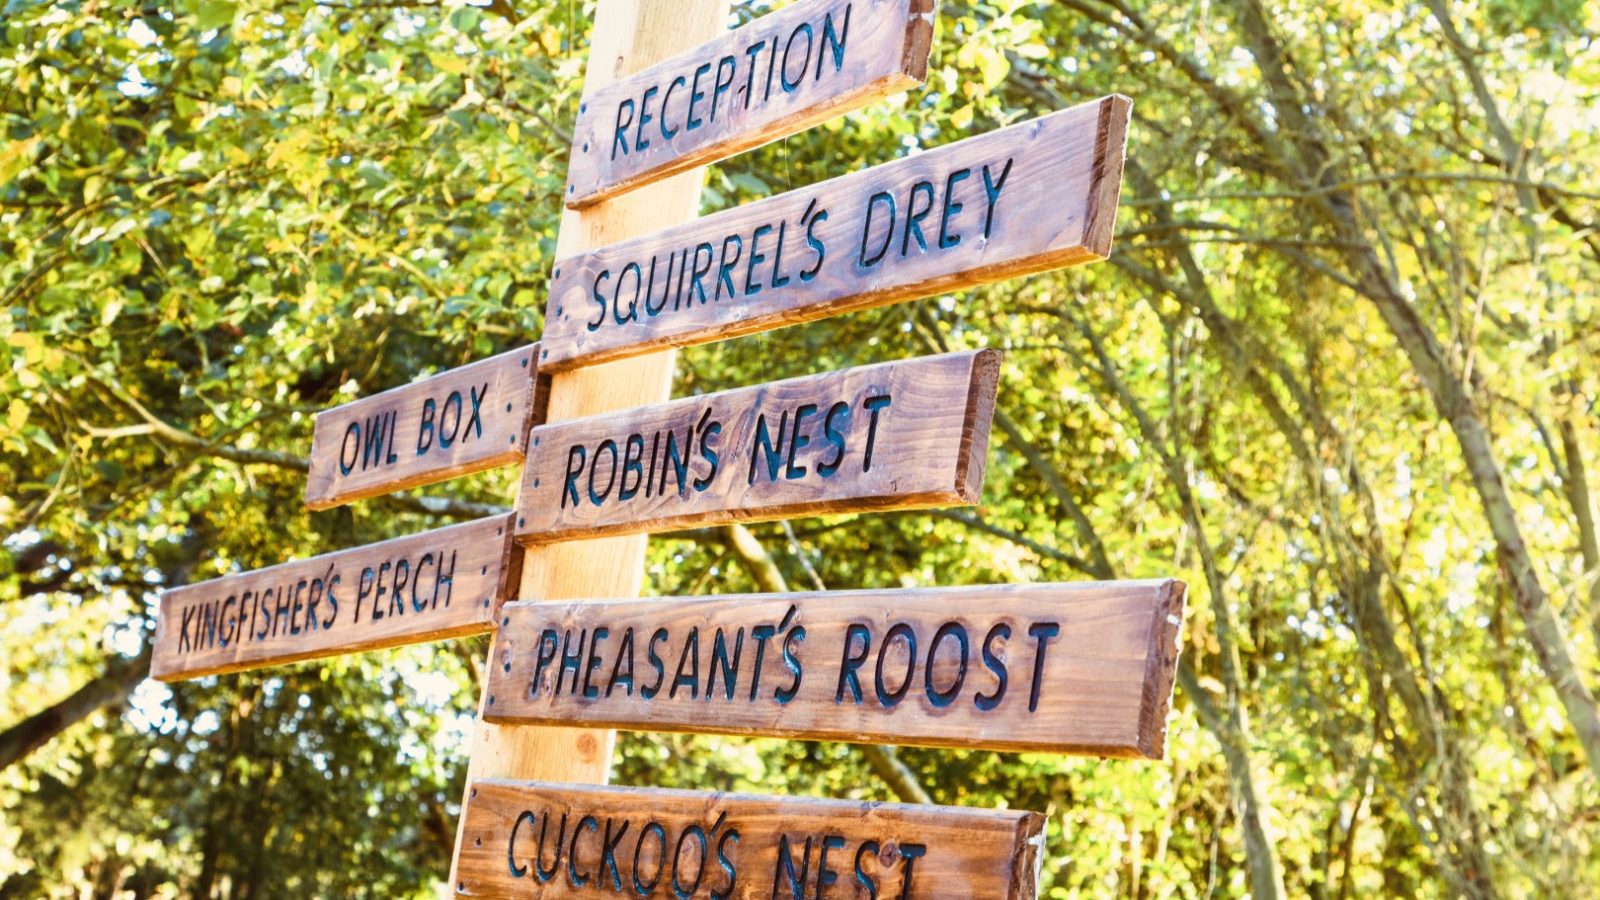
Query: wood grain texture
(466, 420)
(898, 435)
(424, 587)
(1035, 196)
(754, 847)
(628, 35)
(735, 93)
(1082, 668)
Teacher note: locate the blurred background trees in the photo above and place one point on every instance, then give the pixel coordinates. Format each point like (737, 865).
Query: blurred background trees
(1340, 375)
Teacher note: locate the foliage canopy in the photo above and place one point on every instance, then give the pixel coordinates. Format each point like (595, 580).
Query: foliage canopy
(1340, 375)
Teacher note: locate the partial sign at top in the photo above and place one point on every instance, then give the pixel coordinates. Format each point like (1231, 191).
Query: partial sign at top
(776, 76)
(455, 423)
(1032, 197)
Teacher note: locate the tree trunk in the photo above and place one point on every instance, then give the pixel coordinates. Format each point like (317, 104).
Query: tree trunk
(111, 687)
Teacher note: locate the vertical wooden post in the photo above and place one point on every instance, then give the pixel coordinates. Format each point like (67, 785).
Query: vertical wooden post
(628, 36)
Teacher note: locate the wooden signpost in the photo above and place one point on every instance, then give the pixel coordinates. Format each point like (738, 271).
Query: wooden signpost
(532, 839)
(409, 590)
(1035, 196)
(455, 423)
(776, 76)
(1062, 668)
(898, 435)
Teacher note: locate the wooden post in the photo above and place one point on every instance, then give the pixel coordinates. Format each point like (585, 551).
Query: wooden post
(628, 36)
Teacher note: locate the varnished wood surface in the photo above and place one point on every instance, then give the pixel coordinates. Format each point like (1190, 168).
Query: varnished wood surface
(1084, 668)
(754, 847)
(1032, 197)
(897, 435)
(409, 590)
(466, 420)
(628, 35)
(735, 93)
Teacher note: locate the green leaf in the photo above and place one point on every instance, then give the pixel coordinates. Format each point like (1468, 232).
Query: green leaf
(215, 14)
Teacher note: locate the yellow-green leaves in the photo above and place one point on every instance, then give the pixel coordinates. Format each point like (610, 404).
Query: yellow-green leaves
(16, 156)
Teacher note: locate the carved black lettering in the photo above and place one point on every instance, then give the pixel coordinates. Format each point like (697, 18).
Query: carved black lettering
(873, 405)
(853, 661)
(996, 665)
(992, 188)
(1041, 632)
(886, 698)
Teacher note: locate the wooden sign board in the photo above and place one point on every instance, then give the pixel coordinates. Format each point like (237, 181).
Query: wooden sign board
(1062, 668)
(533, 839)
(465, 420)
(773, 77)
(899, 435)
(1035, 196)
(425, 587)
